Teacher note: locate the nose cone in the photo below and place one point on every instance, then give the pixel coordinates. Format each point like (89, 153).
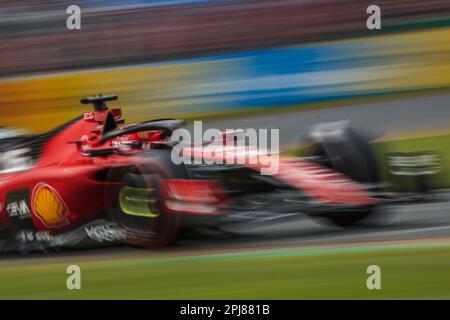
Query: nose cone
(324, 184)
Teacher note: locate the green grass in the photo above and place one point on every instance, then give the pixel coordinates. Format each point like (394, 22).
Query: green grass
(306, 106)
(407, 271)
(439, 144)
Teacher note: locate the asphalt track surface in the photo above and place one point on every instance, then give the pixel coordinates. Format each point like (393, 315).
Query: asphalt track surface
(396, 117)
(391, 223)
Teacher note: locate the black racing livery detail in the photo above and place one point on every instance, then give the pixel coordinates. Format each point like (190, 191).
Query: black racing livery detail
(18, 209)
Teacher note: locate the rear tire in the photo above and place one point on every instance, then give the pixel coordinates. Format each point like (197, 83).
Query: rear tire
(134, 202)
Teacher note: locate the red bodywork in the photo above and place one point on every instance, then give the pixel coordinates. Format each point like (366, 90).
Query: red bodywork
(72, 176)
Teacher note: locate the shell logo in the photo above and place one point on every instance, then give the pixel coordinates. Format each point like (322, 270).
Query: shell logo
(49, 207)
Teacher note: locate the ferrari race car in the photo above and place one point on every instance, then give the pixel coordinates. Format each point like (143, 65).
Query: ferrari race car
(95, 181)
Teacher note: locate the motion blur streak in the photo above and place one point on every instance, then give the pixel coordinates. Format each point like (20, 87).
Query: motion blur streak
(263, 78)
(34, 38)
(245, 55)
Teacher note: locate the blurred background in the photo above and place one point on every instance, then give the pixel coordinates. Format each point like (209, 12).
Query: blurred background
(256, 63)
(191, 58)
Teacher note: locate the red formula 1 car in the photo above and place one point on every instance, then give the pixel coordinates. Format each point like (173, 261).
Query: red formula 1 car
(94, 181)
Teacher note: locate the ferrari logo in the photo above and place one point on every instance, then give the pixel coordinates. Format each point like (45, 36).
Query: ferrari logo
(143, 134)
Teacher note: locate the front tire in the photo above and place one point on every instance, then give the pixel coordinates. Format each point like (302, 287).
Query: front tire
(344, 149)
(350, 219)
